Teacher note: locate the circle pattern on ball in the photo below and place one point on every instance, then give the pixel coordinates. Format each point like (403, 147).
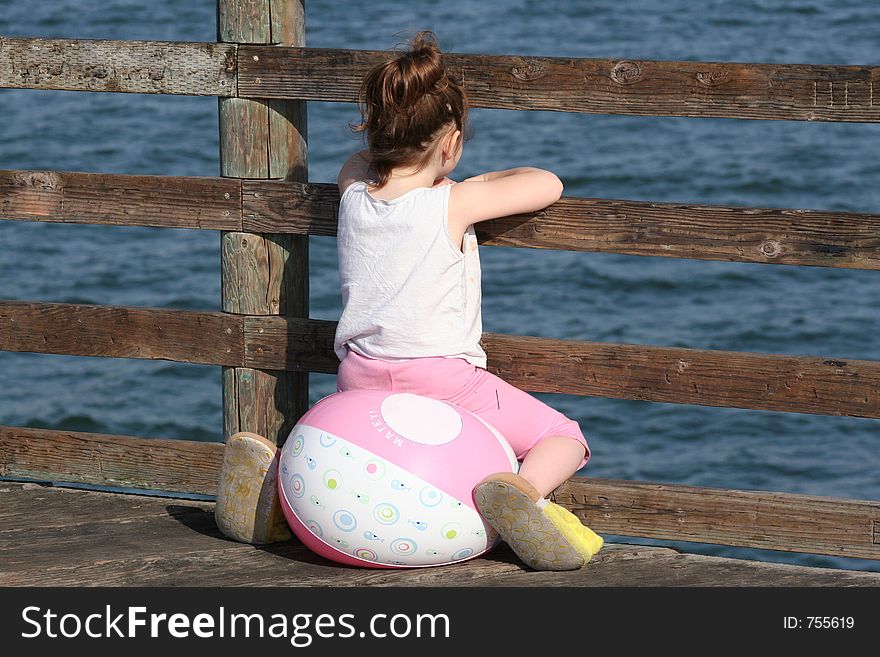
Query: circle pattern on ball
(332, 479)
(297, 485)
(344, 520)
(386, 514)
(404, 546)
(366, 554)
(430, 496)
(374, 470)
(450, 531)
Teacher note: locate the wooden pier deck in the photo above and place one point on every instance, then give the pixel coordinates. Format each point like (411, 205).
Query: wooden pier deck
(71, 537)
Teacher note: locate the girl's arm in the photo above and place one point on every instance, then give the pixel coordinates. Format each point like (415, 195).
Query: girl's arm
(501, 194)
(495, 175)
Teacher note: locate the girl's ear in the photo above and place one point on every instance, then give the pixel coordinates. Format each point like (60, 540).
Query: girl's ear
(452, 143)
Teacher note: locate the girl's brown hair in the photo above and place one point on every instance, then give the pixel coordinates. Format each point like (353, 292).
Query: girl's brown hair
(405, 103)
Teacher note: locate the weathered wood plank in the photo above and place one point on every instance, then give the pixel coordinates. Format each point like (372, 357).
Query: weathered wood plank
(742, 234)
(187, 336)
(173, 543)
(773, 382)
(243, 20)
(801, 92)
(148, 537)
(294, 210)
(796, 384)
(757, 519)
(292, 343)
(27, 506)
(146, 67)
(263, 272)
(290, 564)
(180, 466)
(642, 87)
(121, 199)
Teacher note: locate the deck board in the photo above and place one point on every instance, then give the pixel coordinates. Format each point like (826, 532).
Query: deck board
(69, 537)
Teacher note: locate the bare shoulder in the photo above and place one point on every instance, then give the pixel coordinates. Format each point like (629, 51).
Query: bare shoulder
(345, 184)
(356, 168)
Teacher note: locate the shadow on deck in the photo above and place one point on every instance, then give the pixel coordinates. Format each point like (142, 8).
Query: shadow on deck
(70, 537)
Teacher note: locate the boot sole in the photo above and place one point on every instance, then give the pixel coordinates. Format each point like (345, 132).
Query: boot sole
(524, 527)
(247, 508)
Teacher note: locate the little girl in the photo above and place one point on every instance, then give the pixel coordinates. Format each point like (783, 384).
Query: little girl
(410, 273)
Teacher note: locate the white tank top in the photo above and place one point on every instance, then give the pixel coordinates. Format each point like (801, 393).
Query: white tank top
(407, 290)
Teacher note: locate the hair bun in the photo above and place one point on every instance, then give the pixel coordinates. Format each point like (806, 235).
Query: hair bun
(421, 72)
(425, 44)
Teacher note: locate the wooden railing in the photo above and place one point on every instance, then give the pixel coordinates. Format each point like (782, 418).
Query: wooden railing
(286, 340)
(605, 86)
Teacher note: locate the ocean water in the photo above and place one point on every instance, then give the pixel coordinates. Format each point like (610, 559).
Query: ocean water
(775, 309)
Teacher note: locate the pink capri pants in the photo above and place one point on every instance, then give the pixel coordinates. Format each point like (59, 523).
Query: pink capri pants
(521, 418)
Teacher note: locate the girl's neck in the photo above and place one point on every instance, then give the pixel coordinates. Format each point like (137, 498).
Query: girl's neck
(399, 185)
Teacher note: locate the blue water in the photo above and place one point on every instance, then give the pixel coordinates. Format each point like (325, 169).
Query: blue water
(591, 296)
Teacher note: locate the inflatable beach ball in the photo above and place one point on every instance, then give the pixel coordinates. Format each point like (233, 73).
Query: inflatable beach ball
(382, 479)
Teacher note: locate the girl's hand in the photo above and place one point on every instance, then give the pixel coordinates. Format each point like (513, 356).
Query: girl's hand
(443, 181)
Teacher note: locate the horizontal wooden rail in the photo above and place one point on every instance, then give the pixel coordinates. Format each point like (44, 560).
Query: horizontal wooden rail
(706, 232)
(742, 234)
(146, 67)
(754, 519)
(797, 384)
(121, 199)
(801, 92)
(182, 466)
(776, 521)
(185, 336)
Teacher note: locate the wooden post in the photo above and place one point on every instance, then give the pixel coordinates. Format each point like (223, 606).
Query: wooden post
(263, 274)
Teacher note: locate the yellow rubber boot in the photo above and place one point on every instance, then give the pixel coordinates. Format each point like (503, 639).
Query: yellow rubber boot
(248, 508)
(582, 538)
(541, 533)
